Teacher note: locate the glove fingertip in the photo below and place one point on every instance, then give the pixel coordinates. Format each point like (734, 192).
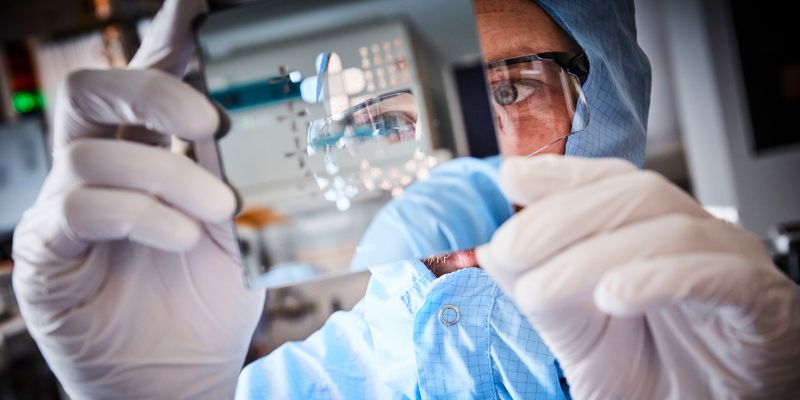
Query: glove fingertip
(497, 263)
(485, 259)
(483, 254)
(168, 44)
(179, 235)
(224, 121)
(227, 204)
(516, 176)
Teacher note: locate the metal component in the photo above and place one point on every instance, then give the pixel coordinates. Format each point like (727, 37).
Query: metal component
(449, 315)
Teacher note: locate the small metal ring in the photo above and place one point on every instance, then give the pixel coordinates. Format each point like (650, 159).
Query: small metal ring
(446, 320)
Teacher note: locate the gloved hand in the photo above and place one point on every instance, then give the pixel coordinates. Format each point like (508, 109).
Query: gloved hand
(124, 269)
(638, 291)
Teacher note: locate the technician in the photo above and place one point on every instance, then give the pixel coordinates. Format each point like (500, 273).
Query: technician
(125, 274)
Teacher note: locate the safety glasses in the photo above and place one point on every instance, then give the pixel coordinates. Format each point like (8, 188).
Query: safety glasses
(538, 99)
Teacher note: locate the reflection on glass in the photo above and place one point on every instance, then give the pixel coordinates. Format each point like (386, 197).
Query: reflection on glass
(321, 123)
(391, 116)
(348, 151)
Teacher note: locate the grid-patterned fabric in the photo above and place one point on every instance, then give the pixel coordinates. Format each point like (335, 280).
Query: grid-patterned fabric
(394, 344)
(490, 352)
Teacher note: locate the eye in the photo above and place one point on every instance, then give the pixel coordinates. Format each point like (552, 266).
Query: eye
(393, 122)
(508, 92)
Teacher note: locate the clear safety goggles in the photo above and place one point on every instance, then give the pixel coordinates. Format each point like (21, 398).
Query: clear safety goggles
(537, 99)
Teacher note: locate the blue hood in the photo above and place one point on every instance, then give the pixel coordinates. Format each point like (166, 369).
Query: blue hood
(618, 88)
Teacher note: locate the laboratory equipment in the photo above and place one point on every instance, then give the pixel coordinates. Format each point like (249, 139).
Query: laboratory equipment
(23, 167)
(283, 87)
(473, 114)
(326, 117)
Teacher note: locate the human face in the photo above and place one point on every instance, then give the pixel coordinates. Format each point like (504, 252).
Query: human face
(514, 28)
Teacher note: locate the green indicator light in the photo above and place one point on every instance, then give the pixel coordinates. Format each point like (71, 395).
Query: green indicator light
(25, 101)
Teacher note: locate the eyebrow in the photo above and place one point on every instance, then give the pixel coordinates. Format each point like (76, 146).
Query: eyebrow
(523, 51)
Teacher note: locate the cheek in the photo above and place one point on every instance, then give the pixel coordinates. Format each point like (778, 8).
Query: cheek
(522, 137)
(508, 145)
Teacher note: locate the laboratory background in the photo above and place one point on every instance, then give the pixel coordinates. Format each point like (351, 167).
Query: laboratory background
(725, 96)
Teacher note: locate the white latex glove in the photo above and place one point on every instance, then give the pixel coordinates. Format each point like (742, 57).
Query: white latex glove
(639, 292)
(123, 266)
